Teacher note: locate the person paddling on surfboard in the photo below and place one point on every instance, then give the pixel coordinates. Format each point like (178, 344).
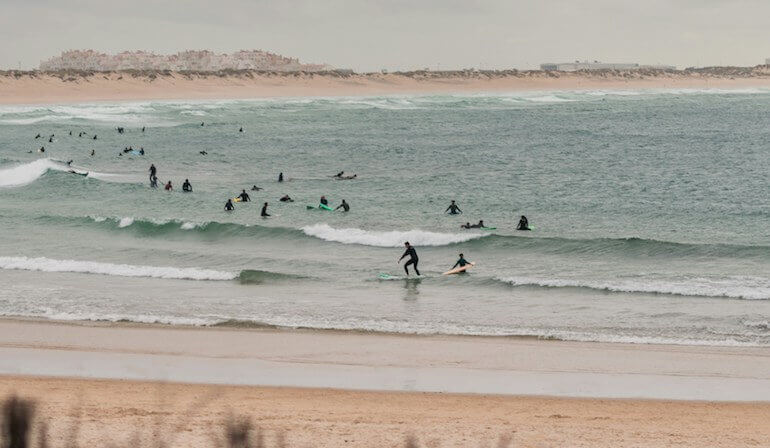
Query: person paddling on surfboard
(462, 262)
(467, 225)
(453, 209)
(413, 259)
(244, 196)
(523, 224)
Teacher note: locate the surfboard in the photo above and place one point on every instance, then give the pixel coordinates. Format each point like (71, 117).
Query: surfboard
(236, 199)
(325, 207)
(384, 276)
(460, 269)
(488, 228)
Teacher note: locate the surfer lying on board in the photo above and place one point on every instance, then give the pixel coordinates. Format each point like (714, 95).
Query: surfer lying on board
(229, 205)
(256, 188)
(412, 258)
(461, 262)
(453, 209)
(286, 198)
(523, 224)
(244, 196)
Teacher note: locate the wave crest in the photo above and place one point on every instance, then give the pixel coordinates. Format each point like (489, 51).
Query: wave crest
(393, 238)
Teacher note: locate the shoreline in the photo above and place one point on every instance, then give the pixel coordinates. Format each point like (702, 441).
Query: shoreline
(30, 88)
(341, 360)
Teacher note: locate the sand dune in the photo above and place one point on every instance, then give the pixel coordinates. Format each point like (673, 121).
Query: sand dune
(56, 87)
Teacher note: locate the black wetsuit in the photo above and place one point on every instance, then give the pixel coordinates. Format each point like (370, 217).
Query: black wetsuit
(153, 172)
(244, 197)
(187, 187)
(523, 224)
(229, 206)
(280, 177)
(453, 209)
(461, 262)
(264, 213)
(413, 259)
(324, 201)
(286, 199)
(345, 206)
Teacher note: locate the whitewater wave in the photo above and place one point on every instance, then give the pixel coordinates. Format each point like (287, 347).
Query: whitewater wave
(28, 172)
(392, 238)
(122, 270)
(747, 288)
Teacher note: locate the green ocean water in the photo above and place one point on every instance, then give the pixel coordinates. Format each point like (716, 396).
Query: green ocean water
(651, 211)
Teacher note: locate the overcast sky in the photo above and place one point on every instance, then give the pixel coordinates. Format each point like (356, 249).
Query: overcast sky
(399, 34)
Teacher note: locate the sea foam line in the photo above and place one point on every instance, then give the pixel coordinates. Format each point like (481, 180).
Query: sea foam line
(387, 239)
(122, 270)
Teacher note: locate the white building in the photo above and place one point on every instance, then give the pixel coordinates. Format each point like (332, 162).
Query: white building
(585, 65)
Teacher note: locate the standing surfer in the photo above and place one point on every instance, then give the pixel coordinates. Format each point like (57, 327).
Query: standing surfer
(413, 259)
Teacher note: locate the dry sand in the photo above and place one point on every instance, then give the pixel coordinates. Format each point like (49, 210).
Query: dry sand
(193, 416)
(36, 88)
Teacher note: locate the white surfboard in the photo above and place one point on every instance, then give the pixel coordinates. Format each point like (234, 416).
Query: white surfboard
(460, 269)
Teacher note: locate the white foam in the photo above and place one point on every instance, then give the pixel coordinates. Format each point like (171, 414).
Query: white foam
(548, 99)
(122, 270)
(738, 288)
(393, 238)
(125, 222)
(27, 173)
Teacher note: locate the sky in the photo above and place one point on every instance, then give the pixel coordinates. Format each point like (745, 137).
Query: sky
(369, 35)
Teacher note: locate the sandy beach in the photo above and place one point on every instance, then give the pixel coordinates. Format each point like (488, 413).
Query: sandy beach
(65, 87)
(352, 389)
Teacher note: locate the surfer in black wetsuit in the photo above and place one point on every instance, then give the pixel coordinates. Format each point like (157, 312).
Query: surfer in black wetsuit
(37, 136)
(286, 198)
(412, 258)
(240, 130)
(264, 213)
(453, 209)
(467, 225)
(345, 206)
(339, 175)
(244, 196)
(523, 224)
(229, 205)
(255, 188)
(324, 201)
(186, 187)
(153, 171)
(153, 180)
(461, 262)
(280, 177)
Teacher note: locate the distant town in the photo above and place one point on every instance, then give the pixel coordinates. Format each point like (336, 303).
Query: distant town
(193, 60)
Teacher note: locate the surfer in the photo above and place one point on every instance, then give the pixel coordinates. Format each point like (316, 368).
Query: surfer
(42, 149)
(153, 180)
(480, 224)
(339, 175)
(453, 209)
(467, 225)
(142, 128)
(286, 198)
(229, 205)
(412, 258)
(153, 171)
(37, 136)
(50, 139)
(324, 201)
(345, 206)
(94, 136)
(280, 177)
(141, 151)
(186, 187)
(462, 262)
(93, 152)
(168, 187)
(523, 224)
(203, 153)
(240, 130)
(202, 123)
(255, 188)
(264, 213)
(244, 196)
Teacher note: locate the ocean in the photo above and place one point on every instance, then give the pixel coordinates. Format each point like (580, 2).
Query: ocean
(650, 208)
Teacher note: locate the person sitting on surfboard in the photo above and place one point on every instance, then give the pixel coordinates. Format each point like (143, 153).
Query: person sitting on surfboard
(244, 196)
(229, 205)
(523, 224)
(412, 258)
(345, 206)
(453, 209)
(168, 186)
(324, 201)
(186, 186)
(264, 213)
(462, 262)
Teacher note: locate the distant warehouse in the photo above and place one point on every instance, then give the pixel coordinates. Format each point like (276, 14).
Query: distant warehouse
(596, 65)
